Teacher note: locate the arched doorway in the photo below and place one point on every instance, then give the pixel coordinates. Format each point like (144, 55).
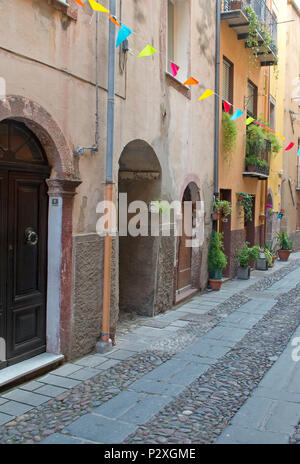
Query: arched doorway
(23, 242)
(269, 221)
(188, 258)
(140, 180)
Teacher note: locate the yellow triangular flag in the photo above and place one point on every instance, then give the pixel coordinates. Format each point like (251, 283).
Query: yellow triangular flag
(97, 7)
(148, 51)
(249, 121)
(206, 94)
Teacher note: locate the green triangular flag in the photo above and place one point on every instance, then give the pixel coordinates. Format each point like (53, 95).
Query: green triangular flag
(148, 51)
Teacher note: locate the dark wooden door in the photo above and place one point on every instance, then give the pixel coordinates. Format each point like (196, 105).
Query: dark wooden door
(23, 243)
(3, 263)
(26, 266)
(225, 228)
(250, 227)
(184, 272)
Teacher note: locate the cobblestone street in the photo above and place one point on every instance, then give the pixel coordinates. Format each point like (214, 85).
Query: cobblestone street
(218, 369)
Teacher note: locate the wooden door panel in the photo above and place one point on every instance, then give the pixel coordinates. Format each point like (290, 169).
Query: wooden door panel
(27, 266)
(184, 274)
(3, 255)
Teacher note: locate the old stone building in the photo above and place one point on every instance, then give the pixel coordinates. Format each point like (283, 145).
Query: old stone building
(51, 273)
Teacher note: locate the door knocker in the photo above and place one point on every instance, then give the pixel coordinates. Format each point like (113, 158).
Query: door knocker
(31, 237)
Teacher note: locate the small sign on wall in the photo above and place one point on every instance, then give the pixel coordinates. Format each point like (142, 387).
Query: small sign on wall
(54, 202)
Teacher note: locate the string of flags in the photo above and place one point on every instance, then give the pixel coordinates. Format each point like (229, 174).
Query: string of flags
(149, 50)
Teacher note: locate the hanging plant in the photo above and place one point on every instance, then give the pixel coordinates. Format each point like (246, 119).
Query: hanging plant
(223, 208)
(257, 27)
(245, 201)
(230, 133)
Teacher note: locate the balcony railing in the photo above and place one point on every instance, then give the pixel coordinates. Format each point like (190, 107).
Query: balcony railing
(260, 168)
(265, 17)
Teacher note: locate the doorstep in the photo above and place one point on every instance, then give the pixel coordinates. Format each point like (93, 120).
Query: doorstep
(25, 370)
(185, 295)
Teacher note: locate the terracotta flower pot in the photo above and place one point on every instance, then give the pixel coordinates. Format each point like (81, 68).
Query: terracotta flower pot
(236, 5)
(251, 168)
(215, 284)
(215, 216)
(284, 254)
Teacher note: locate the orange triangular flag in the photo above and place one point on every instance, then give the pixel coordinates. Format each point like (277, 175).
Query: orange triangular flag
(80, 3)
(191, 81)
(113, 20)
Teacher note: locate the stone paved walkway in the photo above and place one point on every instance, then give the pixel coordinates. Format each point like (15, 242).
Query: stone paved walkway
(217, 369)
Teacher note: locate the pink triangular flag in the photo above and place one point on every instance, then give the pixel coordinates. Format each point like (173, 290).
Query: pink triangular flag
(291, 145)
(227, 106)
(174, 69)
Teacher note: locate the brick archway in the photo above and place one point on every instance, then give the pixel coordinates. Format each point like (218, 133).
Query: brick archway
(61, 190)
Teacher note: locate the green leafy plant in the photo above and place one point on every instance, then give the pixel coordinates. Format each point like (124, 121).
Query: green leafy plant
(255, 140)
(245, 201)
(284, 242)
(269, 256)
(217, 259)
(223, 207)
(230, 133)
(271, 247)
(254, 253)
(247, 255)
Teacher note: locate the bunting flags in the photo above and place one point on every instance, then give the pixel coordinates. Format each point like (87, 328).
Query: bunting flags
(227, 106)
(113, 20)
(174, 69)
(148, 51)
(124, 32)
(97, 7)
(288, 148)
(237, 115)
(206, 94)
(191, 81)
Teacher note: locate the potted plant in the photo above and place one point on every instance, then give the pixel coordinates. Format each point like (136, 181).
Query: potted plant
(217, 261)
(270, 251)
(281, 214)
(285, 246)
(230, 134)
(245, 201)
(251, 163)
(223, 209)
(245, 256)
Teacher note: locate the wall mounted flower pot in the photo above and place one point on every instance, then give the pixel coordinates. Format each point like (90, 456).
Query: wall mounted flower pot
(284, 254)
(215, 216)
(243, 273)
(215, 284)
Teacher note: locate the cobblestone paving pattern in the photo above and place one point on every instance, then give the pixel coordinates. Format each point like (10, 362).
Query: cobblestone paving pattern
(232, 381)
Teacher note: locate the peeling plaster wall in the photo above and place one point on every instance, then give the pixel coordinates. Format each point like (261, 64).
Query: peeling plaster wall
(47, 55)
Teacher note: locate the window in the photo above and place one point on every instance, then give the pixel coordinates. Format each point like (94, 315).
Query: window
(252, 99)
(228, 77)
(272, 113)
(178, 34)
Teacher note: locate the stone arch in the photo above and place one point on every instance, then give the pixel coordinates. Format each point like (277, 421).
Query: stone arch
(61, 190)
(140, 179)
(41, 123)
(188, 260)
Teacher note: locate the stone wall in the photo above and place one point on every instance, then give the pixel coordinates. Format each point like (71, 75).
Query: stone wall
(87, 293)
